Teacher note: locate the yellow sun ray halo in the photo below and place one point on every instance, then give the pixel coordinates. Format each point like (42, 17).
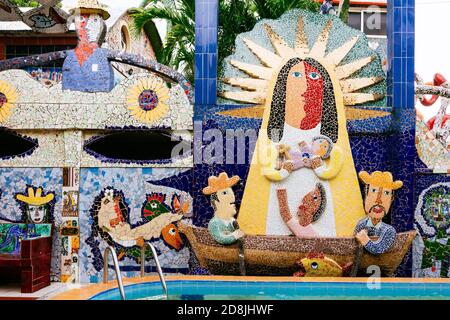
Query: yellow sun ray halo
(147, 100)
(256, 91)
(8, 100)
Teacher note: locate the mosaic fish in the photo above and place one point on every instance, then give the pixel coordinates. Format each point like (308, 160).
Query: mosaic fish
(318, 265)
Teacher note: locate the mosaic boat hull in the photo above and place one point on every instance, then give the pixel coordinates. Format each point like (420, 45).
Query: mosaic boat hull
(276, 255)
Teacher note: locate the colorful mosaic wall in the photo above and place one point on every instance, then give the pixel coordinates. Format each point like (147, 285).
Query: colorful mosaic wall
(93, 119)
(15, 182)
(355, 118)
(133, 205)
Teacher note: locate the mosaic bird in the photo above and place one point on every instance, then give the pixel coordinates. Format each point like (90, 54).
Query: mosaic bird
(155, 206)
(318, 265)
(171, 236)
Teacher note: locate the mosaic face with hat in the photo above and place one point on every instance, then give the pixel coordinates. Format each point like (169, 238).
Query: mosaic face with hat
(376, 236)
(88, 61)
(223, 227)
(37, 206)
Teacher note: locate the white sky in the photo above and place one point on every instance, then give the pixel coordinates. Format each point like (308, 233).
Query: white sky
(432, 43)
(111, 3)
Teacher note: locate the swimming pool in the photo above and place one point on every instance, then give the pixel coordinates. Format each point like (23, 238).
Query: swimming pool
(281, 290)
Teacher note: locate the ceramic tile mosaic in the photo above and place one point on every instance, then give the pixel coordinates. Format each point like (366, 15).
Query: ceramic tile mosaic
(87, 121)
(47, 17)
(14, 181)
(135, 190)
(366, 118)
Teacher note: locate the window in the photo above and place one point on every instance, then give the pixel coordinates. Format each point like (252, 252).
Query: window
(15, 145)
(16, 51)
(52, 73)
(371, 22)
(124, 39)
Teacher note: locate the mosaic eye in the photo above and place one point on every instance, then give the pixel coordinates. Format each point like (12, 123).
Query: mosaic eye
(224, 193)
(314, 265)
(297, 74)
(154, 205)
(373, 190)
(314, 76)
(172, 231)
(15, 145)
(387, 193)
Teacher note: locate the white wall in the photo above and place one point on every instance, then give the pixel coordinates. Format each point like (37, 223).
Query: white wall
(432, 43)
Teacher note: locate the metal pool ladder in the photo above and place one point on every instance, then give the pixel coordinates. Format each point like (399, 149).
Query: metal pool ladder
(112, 251)
(158, 268)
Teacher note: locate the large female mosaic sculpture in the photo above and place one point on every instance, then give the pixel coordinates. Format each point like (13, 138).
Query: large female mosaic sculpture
(302, 196)
(109, 143)
(304, 89)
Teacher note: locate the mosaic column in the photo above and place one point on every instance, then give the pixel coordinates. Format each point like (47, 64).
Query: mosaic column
(206, 52)
(401, 38)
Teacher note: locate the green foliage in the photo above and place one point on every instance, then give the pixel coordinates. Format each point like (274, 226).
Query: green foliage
(25, 3)
(235, 17)
(273, 9)
(344, 12)
(178, 49)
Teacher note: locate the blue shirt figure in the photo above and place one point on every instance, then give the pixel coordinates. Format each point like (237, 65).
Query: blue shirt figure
(385, 233)
(87, 68)
(379, 190)
(222, 231)
(327, 7)
(94, 75)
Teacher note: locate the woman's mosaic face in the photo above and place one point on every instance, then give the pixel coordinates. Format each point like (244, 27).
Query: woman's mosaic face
(304, 97)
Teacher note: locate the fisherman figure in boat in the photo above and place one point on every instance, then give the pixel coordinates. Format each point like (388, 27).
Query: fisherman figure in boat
(376, 236)
(87, 68)
(223, 226)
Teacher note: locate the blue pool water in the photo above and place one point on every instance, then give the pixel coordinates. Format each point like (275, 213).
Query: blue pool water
(246, 290)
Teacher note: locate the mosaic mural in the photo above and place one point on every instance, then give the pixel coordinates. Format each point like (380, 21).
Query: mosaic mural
(34, 196)
(432, 220)
(327, 69)
(47, 17)
(90, 118)
(125, 208)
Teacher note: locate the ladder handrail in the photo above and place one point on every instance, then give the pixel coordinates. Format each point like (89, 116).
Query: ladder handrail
(158, 266)
(111, 250)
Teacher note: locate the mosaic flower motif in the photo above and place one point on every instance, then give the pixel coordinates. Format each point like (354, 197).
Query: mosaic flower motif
(8, 98)
(147, 100)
